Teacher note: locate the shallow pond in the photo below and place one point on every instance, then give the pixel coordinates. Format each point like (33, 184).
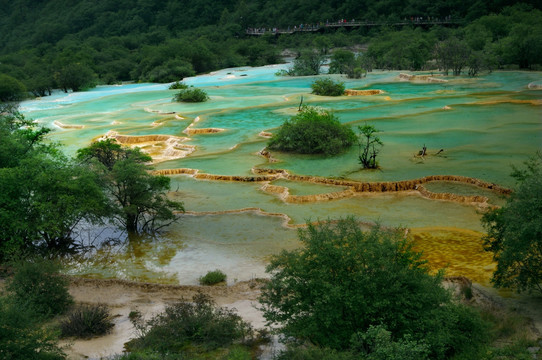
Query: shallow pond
(483, 125)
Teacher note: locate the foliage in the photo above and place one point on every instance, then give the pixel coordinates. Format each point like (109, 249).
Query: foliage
(177, 85)
(191, 95)
(87, 321)
(74, 76)
(377, 344)
(344, 280)
(11, 89)
(307, 63)
(369, 145)
(514, 232)
(212, 278)
(196, 326)
(37, 285)
(137, 199)
(327, 87)
(406, 49)
(313, 131)
(22, 337)
(346, 62)
(43, 195)
(452, 54)
(308, 352)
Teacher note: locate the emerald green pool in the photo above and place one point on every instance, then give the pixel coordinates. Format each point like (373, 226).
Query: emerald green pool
(484, 125)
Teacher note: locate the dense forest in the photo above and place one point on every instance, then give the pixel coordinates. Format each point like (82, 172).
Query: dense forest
(59, 44)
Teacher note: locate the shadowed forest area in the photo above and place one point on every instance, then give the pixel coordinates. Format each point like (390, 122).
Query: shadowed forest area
(50, 44)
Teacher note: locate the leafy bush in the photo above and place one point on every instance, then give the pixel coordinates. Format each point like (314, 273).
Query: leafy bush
(192, 327)
(327, 87)
(22, 337)
(178, 85)
(191, 95)
(345, 280)
(514, 232)
(313, 131)
(38, 286)
(87, 321)
(213, 277)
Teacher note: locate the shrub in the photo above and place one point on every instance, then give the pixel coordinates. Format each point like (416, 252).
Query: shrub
(192, 327)
(344, 280)
(178, 85)
(22, 337)
(37, 285)
(87, 321)
(327, 87)
(313, 131)
(213, 277)
(191, 95)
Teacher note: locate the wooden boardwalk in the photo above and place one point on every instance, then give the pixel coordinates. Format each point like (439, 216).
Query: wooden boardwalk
(304, 28)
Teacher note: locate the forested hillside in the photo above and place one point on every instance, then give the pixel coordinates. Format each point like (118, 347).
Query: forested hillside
(46, 44)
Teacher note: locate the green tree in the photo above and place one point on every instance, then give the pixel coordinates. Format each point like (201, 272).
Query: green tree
(307, 63)
(342, 62)
(11, 89)
(138, 199)
(43, 195)
(452, 54)
(369, 146)
(313, 131)
(327, 87)
(344, 280)
(514, 232)
(74, 76)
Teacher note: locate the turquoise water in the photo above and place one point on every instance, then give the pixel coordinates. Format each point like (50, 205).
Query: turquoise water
(484, 125)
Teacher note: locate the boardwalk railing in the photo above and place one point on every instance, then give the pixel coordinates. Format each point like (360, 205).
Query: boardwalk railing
(339, 24)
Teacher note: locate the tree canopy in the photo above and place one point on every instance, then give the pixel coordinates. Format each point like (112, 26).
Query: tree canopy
(514, 232)
(137, 199)
(313, 131)
(343, 281)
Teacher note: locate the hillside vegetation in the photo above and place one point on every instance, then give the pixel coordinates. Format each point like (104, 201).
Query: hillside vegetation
(75, 45)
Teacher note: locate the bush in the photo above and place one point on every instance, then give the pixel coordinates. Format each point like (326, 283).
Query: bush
(192, 327)
(213, 277)
(514, 232)
(345, 280)
(22, 337)
(38, 286)
(313, 131)
(87, 321)
(191, 95)
(327, 87)
(178, 85)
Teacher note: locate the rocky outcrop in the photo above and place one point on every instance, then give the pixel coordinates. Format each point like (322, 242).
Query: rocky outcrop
(159, 147)
(66, 126)
(265, 134)
(421, 78)
(353, 188)
(189, 131)
(350, 92)
(534, 86)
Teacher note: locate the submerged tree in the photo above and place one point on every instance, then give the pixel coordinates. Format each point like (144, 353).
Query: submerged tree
(514, 232)
(43, 194)
(138, 199)
(369, 146)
